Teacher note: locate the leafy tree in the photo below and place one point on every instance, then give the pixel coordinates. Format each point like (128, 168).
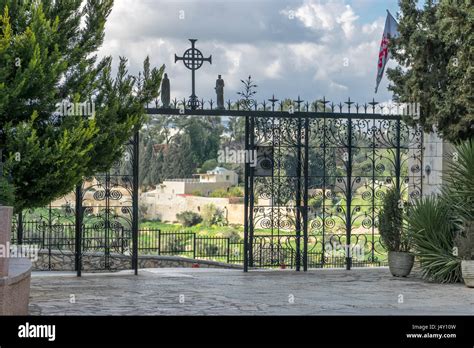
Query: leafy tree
(435, 54)
(179, 160)
(236, 129)
(48, 56)
(208, 165)
(146, 161)
(188, 143)
(7, 194)
(204, 134)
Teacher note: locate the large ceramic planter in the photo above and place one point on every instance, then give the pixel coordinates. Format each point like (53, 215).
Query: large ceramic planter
(467, 271)
(400, 263)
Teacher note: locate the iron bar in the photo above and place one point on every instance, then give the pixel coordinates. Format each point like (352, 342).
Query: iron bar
(252, 192)
(349, 195)
(298, 194)
(267, 113)
(305, 194)
(246, 195)
(78, 230)
(135, 158)
(20, 228)
(398, 162)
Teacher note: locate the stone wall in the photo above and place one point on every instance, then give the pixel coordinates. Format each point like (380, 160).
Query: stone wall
(166, 208)
(65, 261)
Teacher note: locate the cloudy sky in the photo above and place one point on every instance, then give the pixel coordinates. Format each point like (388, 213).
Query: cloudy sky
(310, 48)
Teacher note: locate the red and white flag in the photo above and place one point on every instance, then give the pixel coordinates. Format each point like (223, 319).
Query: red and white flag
(390, 31)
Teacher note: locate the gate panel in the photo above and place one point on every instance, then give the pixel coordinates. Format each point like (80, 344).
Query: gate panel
(276, 188)
(90, 228)
(316, 205)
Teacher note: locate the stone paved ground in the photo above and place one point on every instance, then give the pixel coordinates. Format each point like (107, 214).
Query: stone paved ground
(231, 292)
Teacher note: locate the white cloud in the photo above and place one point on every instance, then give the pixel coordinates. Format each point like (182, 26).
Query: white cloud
(304, 56)
(273, 71)
(347, 19)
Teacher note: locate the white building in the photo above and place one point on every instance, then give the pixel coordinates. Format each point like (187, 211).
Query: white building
(204, 184)
(218, 175)
(177, 195)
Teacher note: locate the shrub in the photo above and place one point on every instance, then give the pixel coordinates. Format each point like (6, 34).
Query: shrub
(219, 193)
(232, 192)
(211, 250)
(233, 235)
(439, 224)
(393, 235)
(429, 221)
(459, 196)
(211, 215)
(235, 192)
(459, 189)
(196, 193)
(188, 218)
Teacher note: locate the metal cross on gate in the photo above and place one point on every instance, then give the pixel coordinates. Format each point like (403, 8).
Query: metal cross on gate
(193, 60)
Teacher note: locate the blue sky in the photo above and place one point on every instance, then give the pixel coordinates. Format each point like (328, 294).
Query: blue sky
(307, 48)
(370, 10)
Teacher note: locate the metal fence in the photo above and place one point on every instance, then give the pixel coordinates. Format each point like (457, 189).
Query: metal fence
(268, 251)
(189, 244)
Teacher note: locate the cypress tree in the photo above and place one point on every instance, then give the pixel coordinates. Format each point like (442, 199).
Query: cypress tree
(435, 55)
(47, 60)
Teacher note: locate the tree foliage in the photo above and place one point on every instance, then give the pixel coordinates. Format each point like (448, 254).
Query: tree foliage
(435, 51)
(176, 147)
(48, 56)
(392, 233)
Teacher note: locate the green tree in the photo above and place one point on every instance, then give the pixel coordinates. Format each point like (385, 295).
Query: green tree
(208, 165)
(47, 57)
(435, 54)
(146, 161)
(236, 130)
(179, 161)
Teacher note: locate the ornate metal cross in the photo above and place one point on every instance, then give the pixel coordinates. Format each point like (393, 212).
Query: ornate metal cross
(193, 60)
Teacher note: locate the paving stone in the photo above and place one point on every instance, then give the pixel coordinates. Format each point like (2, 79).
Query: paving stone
(231, 292)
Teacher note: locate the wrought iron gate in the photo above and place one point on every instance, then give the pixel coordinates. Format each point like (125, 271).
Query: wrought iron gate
(313, 199)
(94, 228)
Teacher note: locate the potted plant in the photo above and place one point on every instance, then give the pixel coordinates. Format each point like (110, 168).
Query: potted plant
(394, 236)
(465, 248)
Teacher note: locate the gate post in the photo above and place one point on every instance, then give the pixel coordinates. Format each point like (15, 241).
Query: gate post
(349, 194)
(135, 157)
(78, 230)
(298, 194)
(246, 197)
(305, 194)
(398, 159)
(251, 192)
